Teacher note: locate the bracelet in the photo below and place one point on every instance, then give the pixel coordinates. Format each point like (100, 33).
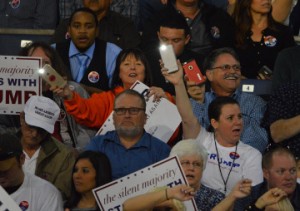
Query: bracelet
(166, 192)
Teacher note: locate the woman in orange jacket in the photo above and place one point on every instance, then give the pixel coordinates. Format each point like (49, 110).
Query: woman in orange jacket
(131, 65)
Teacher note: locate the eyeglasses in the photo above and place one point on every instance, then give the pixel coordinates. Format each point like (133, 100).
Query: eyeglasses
(194, 164)
(227, 67)
(131, 111)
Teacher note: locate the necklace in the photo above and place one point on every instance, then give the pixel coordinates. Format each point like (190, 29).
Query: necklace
(219, 165)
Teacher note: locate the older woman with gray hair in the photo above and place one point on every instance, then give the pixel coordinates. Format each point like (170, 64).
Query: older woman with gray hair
(193, 157)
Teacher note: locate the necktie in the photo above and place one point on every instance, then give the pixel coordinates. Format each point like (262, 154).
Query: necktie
(82, 60)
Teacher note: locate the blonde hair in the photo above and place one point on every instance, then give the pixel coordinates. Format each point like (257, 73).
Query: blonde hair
(285, 205)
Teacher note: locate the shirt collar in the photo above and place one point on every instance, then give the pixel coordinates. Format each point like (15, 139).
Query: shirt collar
(236, 93)
(143, 142)
(74, 51)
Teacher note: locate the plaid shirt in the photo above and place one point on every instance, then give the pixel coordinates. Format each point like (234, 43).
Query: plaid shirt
(128, 8)
(66, 7)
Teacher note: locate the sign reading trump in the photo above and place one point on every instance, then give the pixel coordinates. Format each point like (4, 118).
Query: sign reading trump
(18, 81)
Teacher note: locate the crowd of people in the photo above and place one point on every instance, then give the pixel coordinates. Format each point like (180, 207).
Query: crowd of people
(237, 150)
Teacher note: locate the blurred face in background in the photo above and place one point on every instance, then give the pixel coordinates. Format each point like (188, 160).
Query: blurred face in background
(282, 173)
(83, 30)
(84, 176)
(174, 37)
(97, 6)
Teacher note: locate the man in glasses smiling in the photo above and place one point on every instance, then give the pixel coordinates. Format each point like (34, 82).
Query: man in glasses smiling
(129, 147)
(223, 71)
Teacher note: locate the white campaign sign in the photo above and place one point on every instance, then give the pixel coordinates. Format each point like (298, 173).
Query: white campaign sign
(18, 81)
(167, 172)
(163, 116)
(6, 202)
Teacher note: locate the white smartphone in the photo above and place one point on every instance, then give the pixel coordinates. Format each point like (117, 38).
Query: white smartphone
(51, 76)
(168, 57)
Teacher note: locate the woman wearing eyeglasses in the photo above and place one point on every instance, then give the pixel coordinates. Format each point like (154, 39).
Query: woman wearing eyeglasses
(229, 159)
(131, 65)
(259, 38)
(192, 157)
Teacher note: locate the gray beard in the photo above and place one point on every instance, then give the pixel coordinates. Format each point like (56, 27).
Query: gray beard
(129, 133)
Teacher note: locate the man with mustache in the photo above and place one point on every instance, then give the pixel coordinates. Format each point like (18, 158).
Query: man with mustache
(91, 61)
(223, 71)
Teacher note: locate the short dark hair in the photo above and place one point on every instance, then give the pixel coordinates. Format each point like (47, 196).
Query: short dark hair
(139, 55)
(215, 107)
(102, 166)
(267, 160)
(210, 60)
(133, 93)
(10, 146)
(86, 10)
(174, 21)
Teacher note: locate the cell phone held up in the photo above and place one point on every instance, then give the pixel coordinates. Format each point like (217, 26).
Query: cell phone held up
(168, 57)
(51, 76)
(193, 72)
(265, 73)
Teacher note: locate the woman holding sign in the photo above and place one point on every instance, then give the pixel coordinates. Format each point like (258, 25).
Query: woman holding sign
(131, 65)
(91, 170)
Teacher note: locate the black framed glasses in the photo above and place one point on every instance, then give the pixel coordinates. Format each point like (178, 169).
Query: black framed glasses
(227, 67)
(131, 111)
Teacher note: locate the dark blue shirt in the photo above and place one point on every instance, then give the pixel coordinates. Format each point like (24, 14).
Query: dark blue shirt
(146, 151)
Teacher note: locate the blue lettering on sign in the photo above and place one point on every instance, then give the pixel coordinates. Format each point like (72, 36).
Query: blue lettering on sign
(223, 161)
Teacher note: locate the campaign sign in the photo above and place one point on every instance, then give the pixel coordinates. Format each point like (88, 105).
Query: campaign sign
(162, 116)
(6, 202)
(167, 172)
(18, 81)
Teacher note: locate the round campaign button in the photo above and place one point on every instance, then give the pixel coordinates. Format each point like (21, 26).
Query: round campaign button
(270, 41)
(15, 3)
(24, 205)
(234, 155)
(93, 77)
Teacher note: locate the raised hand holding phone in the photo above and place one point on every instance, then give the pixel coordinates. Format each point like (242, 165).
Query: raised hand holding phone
(52, 77)
(168, 57)
(192, 71)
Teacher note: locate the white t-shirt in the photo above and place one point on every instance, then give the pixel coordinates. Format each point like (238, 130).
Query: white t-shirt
(30, 162)
(247, 163)
(37, 195)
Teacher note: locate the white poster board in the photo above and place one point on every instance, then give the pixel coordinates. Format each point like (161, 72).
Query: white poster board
(18, 81)
(6, 202)
(162, 116)
(167, 172)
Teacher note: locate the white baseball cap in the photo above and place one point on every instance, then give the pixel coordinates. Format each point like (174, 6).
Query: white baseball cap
(41, 112)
